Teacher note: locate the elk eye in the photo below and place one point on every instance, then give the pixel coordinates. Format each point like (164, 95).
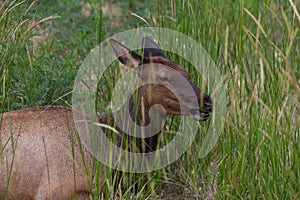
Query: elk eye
(163, 79)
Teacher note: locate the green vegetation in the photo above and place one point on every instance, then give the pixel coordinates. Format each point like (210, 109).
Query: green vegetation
(255, 44)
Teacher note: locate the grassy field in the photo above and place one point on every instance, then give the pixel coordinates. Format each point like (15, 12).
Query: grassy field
(255, 45)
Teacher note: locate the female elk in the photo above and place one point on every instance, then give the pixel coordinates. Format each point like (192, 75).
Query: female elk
(40, 156)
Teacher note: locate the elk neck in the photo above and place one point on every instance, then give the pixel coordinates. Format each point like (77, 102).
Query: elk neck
(139, 113)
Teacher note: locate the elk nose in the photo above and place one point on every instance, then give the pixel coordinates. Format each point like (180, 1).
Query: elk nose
(208, 106)
(208, 103)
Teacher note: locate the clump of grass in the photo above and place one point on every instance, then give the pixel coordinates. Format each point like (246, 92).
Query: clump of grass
(255, 46)
(19, 72)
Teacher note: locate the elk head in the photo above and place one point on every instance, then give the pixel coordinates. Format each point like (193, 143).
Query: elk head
(167, 81)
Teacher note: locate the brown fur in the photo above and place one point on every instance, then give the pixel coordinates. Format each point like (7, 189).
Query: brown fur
(42, 164)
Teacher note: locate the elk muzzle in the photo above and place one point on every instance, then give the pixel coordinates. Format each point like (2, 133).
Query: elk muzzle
(205, 105)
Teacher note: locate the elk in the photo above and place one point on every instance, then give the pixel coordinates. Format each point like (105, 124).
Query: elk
(40, 154)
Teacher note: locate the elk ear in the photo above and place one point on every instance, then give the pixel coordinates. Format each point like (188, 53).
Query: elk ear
(125, 55)
(151, 48)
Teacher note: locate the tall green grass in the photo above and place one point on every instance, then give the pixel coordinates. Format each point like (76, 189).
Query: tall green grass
(255, 45)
